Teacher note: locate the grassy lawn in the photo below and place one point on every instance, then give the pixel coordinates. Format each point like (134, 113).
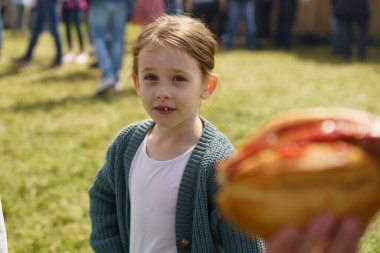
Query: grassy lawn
(54, 132)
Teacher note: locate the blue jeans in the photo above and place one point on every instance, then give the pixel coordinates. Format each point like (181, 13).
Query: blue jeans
(338, 36)
(108, 19)
(244, 9)
(175, 7)
(45, 12)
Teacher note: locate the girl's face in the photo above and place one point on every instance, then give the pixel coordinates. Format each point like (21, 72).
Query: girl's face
(171, 85)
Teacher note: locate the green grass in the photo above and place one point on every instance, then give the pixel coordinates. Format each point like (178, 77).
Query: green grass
(54, 132)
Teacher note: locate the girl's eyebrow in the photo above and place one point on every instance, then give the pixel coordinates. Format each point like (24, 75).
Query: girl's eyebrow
(175, 70)
(179, 71)
(147, 69)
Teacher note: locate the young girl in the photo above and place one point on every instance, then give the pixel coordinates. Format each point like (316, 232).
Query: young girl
(156, 190)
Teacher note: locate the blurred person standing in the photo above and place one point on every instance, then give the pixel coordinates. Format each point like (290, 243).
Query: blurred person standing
(44, 12)
(71, 16)
(349, 12)
(3, 234)
(108, 18)
(241, 9)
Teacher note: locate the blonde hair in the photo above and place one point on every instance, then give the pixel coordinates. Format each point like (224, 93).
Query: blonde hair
(182, 32)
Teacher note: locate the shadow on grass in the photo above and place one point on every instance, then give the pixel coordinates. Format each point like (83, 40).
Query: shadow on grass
(49, 105)
(69, 77)
(318, 51)
(50, 75)
(322, 53)
(9, 71)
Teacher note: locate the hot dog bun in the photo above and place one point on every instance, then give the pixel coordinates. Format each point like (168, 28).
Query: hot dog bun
(300, 164)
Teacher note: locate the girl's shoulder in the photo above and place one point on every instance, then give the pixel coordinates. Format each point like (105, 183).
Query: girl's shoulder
(139, 127)
(218, 139)
(131, 134)
(217, 145)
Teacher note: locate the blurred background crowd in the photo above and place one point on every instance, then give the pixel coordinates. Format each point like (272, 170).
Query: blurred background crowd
(251, 24)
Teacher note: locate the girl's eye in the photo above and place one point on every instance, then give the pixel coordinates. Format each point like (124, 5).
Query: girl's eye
(150, 77)
(179, 79)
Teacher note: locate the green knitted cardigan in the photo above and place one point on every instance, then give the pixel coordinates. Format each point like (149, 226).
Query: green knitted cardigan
(198, 222)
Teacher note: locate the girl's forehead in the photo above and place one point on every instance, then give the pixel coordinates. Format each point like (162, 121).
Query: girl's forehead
(166, 53)
(154, 47)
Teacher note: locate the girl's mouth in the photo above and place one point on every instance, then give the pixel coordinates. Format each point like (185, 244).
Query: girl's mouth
(164, 109)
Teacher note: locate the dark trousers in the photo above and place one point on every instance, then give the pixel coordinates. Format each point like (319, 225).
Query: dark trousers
(263, 11)
(207, 13)
(72, 17)
(285, 23)
(362, 22)
(45, 13)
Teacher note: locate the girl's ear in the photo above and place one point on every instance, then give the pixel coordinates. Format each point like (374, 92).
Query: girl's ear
(135, 80)
(209, 86)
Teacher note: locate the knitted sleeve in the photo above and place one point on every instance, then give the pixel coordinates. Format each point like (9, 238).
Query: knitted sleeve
(229, 237)
(105, 236)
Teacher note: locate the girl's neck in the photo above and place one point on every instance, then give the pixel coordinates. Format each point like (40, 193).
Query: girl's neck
(167, 143)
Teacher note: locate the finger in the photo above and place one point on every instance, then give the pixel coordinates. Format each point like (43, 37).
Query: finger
(316, 233)
(284, 241)
(347, 237)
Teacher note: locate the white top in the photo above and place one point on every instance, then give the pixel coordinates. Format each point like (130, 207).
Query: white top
(153, 187)
(3, 235)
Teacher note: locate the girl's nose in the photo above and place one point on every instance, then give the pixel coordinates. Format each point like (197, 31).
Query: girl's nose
(163, 91)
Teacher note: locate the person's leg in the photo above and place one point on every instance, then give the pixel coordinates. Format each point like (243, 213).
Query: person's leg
(233, 18)
(285, 23)
(120, 13)
(26, 20)
(99, 16)
(279, 37)
(1, 31)
(267, 9)
(37, 27)
(338, 36)
(362, 22)
(66, 21)
(210, 13)
(52, 19)
(221, 23)
(76, 20)
(19, 17)
(248, 10)
(175, 7)
(15, 17)
(347, 37)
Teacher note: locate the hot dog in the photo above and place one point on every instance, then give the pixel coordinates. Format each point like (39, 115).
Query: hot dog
(302, 163)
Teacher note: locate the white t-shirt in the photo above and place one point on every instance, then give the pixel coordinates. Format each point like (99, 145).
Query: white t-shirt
(153, 187)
